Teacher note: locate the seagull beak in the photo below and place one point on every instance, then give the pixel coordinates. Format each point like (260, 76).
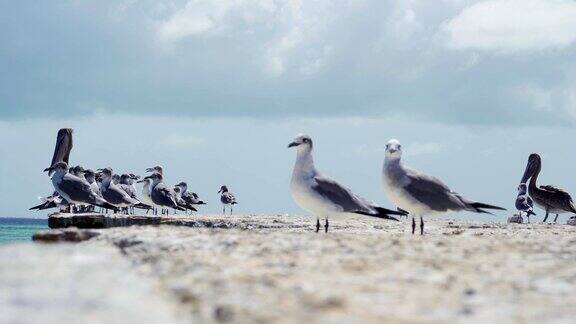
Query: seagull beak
(48, 169)
(293, 144)
(140, 181)
(149, 169)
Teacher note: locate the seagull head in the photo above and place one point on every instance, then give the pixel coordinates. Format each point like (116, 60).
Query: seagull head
(182, 184)
(106, 173)
(58, 166)
(133, 176)
(223, 189)
(90, 175)
(154, 177)
(125, 179)
(393, 149)
(157, 169)
(302, 142)
(522, 188)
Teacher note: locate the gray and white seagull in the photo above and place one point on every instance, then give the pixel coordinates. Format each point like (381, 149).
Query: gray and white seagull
(322, 196)
(419, 193)
(74, 189)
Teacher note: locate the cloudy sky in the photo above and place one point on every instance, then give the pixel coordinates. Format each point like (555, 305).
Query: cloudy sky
(214, 90)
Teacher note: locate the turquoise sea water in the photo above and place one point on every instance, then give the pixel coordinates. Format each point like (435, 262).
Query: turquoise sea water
(20, 229)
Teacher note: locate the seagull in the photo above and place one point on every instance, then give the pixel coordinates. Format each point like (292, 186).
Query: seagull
(180, 201)
(160, 194)
(419, 193)
(549, 198)
(52, 201)
(227, 198)
(90, 176)
(189, 197)
(115, 195)
(146, 193)
(74, 189)
(322, 196)
(523, 202)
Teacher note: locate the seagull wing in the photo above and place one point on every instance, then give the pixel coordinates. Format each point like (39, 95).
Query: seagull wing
(432, 192)
(340, 195)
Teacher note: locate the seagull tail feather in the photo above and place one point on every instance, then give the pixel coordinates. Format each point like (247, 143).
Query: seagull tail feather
(107, 206)
(142, 206)
(479, 207)
(381, 213)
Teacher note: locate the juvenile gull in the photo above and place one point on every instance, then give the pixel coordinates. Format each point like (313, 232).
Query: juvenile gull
(419, 193)
(190, 197)
(549, 198)
(180, 201)
(227, 199)
(74, 189)
(146, 194)
(524, 203)
(322, 196)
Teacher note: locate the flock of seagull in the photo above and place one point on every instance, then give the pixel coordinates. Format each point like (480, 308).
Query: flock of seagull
(80, 190)
(413, 192)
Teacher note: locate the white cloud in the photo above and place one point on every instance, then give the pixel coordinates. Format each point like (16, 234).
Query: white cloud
(285, 35)
(511, 26)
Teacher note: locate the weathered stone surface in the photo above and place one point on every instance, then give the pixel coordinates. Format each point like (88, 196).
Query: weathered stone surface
(276, 269)
(71, 234)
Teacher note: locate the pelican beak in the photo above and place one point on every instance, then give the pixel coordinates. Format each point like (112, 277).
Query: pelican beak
(293, 144)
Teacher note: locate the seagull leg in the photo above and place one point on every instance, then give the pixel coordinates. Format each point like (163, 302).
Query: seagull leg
(223, 210)
(326, 226)
(556, 218)
(421, 225)
(413, 225)
(317, 225)
(230, 209)
(545, 217)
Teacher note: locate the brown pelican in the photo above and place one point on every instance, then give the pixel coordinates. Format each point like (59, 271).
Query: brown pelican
(549, 198)
(63, 146)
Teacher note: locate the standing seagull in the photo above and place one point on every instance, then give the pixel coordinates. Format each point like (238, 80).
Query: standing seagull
(323, 196)
(419, 193)
(227, 198)
(549, 198)
(116, 195)
(146, 194)
(74, 189)
(160, 194)
(524, 203)
(190, 197)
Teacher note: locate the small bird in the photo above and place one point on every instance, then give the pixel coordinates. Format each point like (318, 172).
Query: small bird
(52, 201)
(524, 203)
(227, 198)
(146, 194)
(190, 197)
(180, 201)
(323, 196)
